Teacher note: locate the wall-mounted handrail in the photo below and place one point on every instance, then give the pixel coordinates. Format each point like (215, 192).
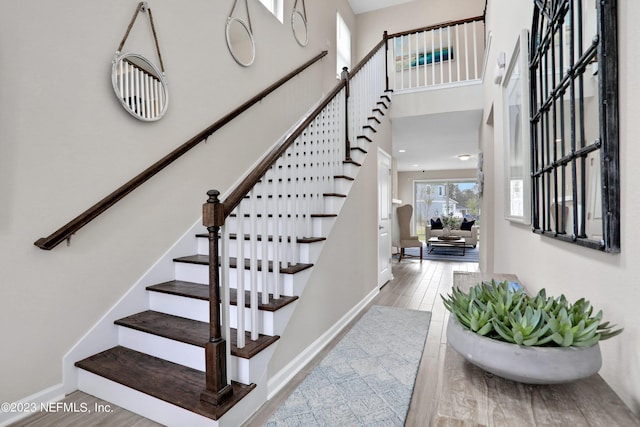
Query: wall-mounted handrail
(66, 231)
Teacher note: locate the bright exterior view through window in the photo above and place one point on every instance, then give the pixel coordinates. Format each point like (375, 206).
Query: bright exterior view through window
(432, 199)
(275, 6)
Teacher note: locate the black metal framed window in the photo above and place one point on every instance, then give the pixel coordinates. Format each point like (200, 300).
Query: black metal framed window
(573, 84)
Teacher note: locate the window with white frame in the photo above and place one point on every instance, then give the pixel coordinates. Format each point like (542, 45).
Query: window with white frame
(343, 45)
(275, 7)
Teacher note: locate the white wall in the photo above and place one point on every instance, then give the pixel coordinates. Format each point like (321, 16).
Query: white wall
(65, 142)
(609, 281)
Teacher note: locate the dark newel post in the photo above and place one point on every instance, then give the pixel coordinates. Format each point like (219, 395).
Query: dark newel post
(347, 143)
(217, 389)
(385, 37)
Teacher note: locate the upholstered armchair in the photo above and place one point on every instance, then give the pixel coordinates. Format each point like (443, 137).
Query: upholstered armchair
(404, 213)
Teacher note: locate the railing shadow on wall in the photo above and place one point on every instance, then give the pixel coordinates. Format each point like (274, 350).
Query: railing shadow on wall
(66, 231)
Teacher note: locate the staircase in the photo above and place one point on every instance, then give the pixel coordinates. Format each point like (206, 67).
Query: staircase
(268, 246)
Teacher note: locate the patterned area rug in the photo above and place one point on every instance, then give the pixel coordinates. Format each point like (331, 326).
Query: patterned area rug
(442, 254)
(366, 379)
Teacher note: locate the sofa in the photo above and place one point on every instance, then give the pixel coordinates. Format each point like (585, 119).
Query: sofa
(470, 236)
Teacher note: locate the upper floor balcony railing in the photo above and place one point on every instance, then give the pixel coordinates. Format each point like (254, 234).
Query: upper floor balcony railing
(441, 55)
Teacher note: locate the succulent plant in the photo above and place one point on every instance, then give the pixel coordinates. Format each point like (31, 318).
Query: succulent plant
(492, 309)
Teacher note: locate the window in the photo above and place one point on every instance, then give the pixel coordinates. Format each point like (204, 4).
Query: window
(275, 7)
(516, 136)
(343, 45)
(574, 123)
(432, 199)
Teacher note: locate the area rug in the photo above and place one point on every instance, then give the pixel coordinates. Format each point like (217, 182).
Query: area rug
(366, 379)
(442, 254)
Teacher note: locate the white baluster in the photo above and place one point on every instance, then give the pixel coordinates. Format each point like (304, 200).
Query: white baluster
(275, 221)
(225, 315)
(253, 264)
(449, 52)
(265, 237)
(475, 50)
(457, 51)
(424, 50)
(433, 57)
(466, 52)
(240, 274)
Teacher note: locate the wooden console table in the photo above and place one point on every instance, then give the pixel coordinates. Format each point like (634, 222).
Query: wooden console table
(468, 396)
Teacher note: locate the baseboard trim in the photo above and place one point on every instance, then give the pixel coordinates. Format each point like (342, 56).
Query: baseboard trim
(31, 404)
(286, 374)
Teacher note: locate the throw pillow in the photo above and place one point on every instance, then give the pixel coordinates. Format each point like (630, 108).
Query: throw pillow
(466, 225)
(437, 224)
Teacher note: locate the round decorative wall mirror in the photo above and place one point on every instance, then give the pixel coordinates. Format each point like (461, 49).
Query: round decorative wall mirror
(299, 27)
(240, 41)
(140, 86)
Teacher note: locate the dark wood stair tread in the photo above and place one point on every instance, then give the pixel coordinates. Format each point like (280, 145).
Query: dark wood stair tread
(201, 292)
(233, 262)
(191, 331)
(164, 380)
(234, 236)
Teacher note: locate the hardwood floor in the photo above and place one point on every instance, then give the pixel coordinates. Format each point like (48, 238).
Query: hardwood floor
(416, 285)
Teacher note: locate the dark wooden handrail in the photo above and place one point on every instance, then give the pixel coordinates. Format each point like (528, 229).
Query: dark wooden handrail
(436, 26)
(66, 231)
(237, 194)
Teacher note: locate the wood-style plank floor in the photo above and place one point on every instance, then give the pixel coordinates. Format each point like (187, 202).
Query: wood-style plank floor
(416, 285)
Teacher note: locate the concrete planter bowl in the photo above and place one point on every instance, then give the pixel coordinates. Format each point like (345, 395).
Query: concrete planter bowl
(530, 365)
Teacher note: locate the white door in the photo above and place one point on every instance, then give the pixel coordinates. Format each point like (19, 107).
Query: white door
(384, 218)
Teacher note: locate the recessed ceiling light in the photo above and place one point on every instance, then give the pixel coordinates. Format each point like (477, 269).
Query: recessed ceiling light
(402, 151)
(464, 157)
(415, 166)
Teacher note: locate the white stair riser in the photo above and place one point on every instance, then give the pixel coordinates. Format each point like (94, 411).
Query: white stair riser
(249, 371)
(308, 252)
(334, 204)
(304, 227)
(343, 185)
(190, 355)
(140, 403)
(271, 323)
(164, 348)
(323, 225)
(198, 273)
(357, 155)
(350, 169)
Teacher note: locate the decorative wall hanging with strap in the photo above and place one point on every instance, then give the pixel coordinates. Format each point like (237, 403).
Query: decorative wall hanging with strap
(299, 24)
(240, 37)
(138, 83)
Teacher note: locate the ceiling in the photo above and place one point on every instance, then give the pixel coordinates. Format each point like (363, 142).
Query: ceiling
(433, 142)
(362, 6)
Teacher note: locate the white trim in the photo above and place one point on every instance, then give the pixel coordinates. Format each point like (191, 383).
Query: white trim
(48, 395)
(286, 374)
